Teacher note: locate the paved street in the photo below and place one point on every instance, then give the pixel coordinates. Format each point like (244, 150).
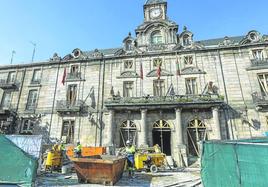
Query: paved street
(187, 177)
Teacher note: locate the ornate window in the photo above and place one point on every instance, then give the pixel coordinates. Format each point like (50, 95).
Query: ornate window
(186, 40)
(157, 38)
(196, 131)
(263, 81)
(128, 45)
(157, 62)
(188, 60)
(128, 65)
(128, 89)
(32, 100)
(191, 86)
(128, 131)
(258, 54)
(159, 88)
(161, 124)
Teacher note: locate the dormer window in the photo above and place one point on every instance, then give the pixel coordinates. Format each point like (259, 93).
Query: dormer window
(128, 45)
(128, 65)
(186, 40)
(253, 36)
(156, 37)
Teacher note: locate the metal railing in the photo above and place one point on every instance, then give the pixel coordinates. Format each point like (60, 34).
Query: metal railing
(8, 84)
(259, 98)
(165, 99)
(74, 76)
(64, 105)
(259, 62)
(37, 81)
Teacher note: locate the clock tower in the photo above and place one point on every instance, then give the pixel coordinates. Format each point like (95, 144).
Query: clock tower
(157, 32)
(155, 10)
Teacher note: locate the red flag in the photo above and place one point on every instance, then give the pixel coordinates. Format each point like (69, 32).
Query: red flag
(158, 72)
(141, 71)
(64, 76)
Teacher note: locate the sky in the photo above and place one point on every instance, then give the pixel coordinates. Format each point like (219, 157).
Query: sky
(63, 25)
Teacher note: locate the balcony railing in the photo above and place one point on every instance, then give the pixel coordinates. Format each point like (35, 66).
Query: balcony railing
(177, 99)
(5, 109)
(36, 82)
(259, 99)
(67, 106)
(73, 76)
(259, 62)
(4, 84)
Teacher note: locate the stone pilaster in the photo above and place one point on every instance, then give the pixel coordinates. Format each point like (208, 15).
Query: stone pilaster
(142, 140)
(217, 127)
(110, 128)
(178, 129)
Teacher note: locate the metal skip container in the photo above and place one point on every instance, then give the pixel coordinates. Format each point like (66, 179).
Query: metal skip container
(104, 169)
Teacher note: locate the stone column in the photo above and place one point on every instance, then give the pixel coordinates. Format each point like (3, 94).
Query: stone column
(217, 130)
(142, 139)
(178, 129)
(110, 127)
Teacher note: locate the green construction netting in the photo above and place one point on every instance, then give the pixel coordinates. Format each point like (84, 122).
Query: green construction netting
(235, 163)
(16, 166)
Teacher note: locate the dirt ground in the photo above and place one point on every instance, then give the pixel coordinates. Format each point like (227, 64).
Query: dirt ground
(182, 177)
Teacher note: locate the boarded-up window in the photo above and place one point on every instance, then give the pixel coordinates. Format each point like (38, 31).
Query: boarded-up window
(128, 89)
(159, 87)
(191, 86)
(32, 100)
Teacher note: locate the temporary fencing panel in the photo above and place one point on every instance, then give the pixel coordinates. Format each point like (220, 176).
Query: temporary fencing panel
(235, 163)
(16, 166)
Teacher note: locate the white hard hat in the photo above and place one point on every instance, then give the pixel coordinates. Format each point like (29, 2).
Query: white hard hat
(127, 142)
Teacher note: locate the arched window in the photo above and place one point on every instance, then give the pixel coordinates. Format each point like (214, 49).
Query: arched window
(129, 45)
(186, 40)
(156, 37)
(128, 131)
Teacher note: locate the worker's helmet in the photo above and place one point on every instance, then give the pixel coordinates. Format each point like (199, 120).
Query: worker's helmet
(78, 142)
(128, 142)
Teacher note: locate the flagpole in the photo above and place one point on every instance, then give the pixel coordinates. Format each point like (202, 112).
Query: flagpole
(12, 56)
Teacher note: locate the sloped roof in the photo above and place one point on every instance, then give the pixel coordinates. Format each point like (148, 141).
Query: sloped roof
(216, 41)
(149, 2)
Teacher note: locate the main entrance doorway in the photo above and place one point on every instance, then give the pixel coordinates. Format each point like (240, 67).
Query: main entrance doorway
(128, 131)
(196, 132)
(161, 136)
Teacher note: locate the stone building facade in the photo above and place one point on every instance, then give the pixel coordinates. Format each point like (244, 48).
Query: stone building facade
(161, 87)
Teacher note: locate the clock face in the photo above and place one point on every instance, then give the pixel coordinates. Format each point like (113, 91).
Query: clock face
(155, 12)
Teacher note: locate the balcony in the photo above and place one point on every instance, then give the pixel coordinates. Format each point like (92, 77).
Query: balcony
(74, 76)
(6, 110)
(8, 85)
(260, 101)
(184, 101)
(259, 62)
(64, 106)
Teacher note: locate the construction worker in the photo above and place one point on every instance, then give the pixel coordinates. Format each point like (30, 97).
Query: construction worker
(78, 149)
(130, 150)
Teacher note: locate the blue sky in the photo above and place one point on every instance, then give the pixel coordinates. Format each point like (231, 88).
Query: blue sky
(63, 25)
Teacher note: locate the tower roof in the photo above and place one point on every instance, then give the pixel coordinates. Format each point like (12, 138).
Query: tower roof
(149, 2)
